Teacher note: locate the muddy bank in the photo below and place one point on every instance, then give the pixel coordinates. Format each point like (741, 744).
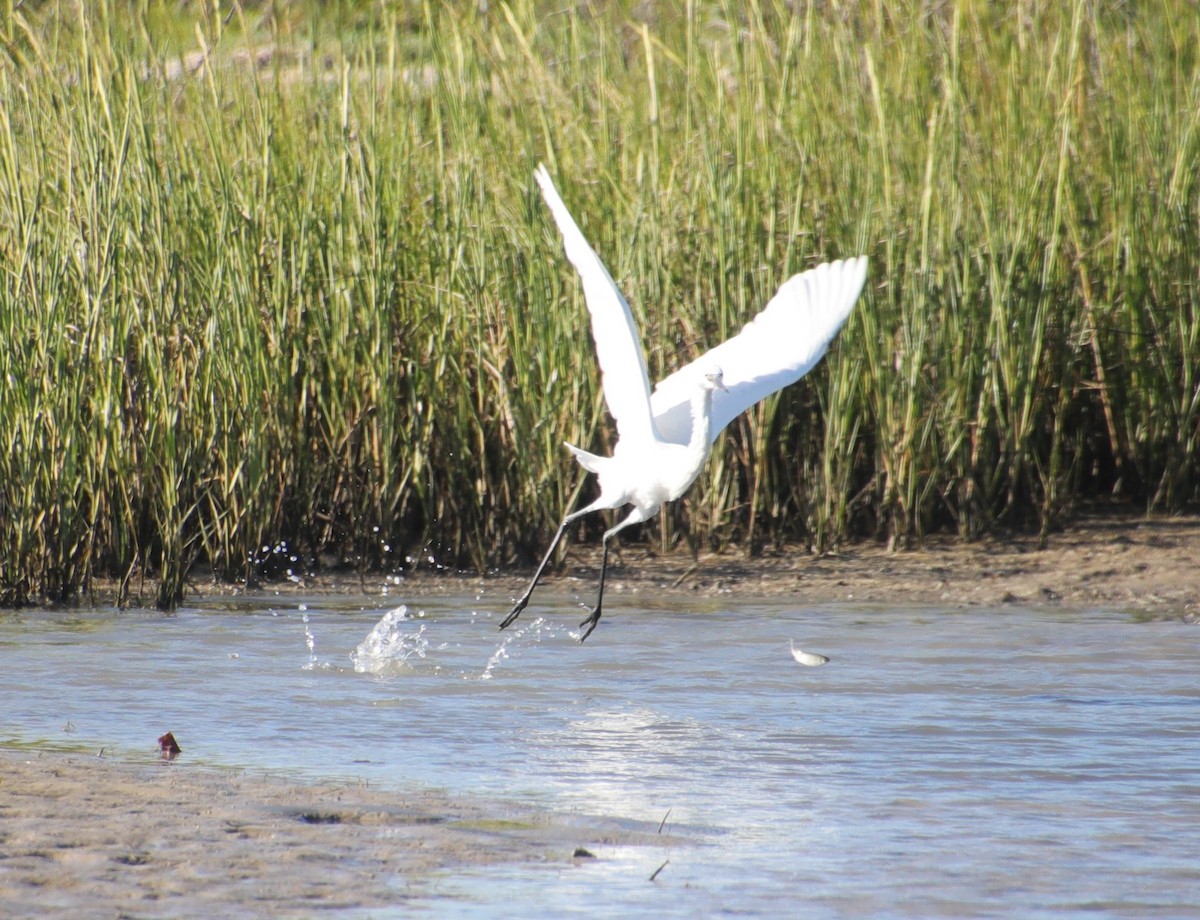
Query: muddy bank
(91, 836)
(1147, 565)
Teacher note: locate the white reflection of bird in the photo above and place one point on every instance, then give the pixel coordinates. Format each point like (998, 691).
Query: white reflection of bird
(664, 437)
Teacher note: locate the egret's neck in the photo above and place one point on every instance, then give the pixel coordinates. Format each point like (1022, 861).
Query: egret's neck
(682, 471)
(701, 421)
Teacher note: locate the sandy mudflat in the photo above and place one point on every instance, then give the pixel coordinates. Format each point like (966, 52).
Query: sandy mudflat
(88, 836)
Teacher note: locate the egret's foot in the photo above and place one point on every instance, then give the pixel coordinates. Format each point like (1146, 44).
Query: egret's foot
(516, 612)
(590, 623)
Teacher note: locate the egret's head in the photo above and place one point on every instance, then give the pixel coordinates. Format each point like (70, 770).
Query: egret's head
(713, 379)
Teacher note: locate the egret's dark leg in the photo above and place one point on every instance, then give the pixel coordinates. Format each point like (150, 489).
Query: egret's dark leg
(537, 576)
(636, 516)
(593, 618)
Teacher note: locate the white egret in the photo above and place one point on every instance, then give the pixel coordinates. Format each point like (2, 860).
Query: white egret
(664, 437)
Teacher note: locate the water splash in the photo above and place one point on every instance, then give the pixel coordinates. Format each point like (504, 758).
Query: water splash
(502, 650)
(390, 644)
(309, 639)
(270, 561)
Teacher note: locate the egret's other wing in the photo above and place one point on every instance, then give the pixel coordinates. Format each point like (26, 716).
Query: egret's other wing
(622, 363)
(779, 346)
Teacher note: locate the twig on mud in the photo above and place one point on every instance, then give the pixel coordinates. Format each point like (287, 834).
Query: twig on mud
(687, 572)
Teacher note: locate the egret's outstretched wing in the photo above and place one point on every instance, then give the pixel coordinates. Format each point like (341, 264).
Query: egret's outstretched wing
(622, 363)
(777, 347)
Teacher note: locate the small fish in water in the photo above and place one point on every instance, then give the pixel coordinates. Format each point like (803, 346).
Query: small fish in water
(812, 659)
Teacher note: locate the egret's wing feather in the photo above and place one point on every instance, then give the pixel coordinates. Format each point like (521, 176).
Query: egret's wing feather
(622, 363)
(778, 347)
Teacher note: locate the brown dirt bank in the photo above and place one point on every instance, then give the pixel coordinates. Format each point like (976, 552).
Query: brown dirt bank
(84, 836)
(1140, 564)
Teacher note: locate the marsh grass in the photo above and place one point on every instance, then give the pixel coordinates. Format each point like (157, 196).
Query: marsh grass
(277, 287)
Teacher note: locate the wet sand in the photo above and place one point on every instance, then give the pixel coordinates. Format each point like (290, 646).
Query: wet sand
(85, 835)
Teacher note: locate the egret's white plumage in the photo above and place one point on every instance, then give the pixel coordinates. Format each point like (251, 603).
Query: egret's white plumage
(778, 347)
(618, 350)
(664, 437)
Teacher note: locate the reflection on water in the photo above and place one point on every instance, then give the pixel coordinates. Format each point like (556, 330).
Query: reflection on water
(944, 763)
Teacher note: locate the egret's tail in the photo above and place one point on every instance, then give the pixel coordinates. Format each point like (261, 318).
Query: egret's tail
(589, 462)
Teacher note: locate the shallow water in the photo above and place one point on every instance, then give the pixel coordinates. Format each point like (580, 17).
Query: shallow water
(944, 763)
